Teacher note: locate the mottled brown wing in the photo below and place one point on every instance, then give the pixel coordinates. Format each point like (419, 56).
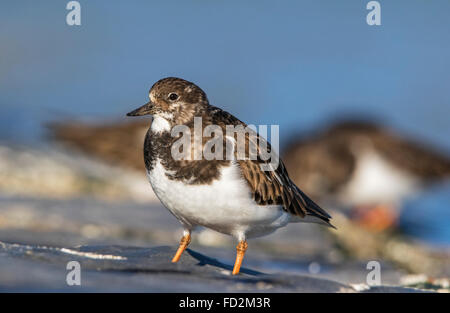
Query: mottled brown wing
(270, 186)
(414, 157)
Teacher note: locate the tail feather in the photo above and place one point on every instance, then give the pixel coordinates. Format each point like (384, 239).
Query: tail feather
(313, 210)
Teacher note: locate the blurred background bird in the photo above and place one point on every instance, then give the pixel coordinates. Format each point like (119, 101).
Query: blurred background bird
(364, 167)
(118, 144)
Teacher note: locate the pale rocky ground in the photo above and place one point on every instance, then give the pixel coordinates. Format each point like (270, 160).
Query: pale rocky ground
(49, 207)
(50, 172)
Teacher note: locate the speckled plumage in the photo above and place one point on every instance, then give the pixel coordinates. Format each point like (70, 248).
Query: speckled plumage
(273, 188)
(231, 192)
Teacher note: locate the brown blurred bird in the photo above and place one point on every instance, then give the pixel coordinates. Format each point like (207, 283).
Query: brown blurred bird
(118, 144)
(363, 166)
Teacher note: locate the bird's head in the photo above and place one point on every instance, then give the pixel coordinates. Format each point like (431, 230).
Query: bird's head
(174, 99)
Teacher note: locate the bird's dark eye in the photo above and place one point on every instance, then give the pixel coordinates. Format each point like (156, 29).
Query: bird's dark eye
(173, 96)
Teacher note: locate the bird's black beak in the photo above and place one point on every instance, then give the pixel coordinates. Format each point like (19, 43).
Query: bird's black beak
(143, 110)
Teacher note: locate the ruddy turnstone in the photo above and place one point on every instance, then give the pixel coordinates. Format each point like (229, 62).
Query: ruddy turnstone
(233, 195)
(363, 166)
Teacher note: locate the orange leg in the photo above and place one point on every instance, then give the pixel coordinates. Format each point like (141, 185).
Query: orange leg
(183, 245)
(241, 248)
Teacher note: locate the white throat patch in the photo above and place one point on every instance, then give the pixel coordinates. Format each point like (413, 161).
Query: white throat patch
(160, 124)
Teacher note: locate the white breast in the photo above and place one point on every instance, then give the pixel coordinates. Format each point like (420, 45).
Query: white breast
(225, 205)
(377, 181)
